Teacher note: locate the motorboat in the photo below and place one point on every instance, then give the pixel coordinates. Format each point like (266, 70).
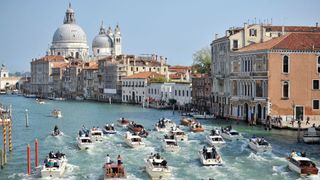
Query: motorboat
(230, 134)
(164, 125)
(186, 121)
(260, 145)
(56, 113)
(302, 165)
(56, 132)
(79, 98)
(122, 122)
(96, 134)
(40, 101)
(196, 127)
(54, 165)
(59, 99)
(210, 157)
(114, 170)
(157, 167)
(215, 139)
(137, 129)
(170, 144)
(203, 116)
(109, 129)
(133, 141)
(83, 139)
(311, 136)
(179, 134)
(30, 95)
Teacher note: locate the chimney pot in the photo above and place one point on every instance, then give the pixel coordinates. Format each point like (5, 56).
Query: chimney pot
(216, 36)
(317, 24)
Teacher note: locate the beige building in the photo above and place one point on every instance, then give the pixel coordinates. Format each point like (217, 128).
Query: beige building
(7, 82)
(279, 77)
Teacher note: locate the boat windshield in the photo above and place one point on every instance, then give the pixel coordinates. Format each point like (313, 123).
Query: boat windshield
(136, 140)
(234, 133)
(96, 134)
(86, 140)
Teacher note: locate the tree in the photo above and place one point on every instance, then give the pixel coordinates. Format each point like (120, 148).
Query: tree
(172, 101)
(202, 60)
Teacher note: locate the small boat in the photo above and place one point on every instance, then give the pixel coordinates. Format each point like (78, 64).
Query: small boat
(56, 131)
(84, 142)
(230, 134)
(113, 170)
(170, 144)
(302, 165)
(40, 101)
(185, 121)
(109, 129)
(79, 98)
(179, 134)
(30, 95)
(311, 136)
(210, 157)
(196, 127)
(215, 139)
(203, 116)
(122, 122)
(157, 167)
(133, 141)
(54, 165)
(164, 125)
(96, 134)
(59, 99)
(260, 145)
(56, 113)
(137, 129)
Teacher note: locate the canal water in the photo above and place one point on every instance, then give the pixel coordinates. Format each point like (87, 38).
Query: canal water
(240, 161)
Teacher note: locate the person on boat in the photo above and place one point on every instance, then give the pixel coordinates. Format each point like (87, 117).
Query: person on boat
(112, 126)
(108, 161)
(214, 152)
(56, 130)
(119, 160)
(158, 156)
(293, 153)
(204, 152)
(46, 160)
(303, 154)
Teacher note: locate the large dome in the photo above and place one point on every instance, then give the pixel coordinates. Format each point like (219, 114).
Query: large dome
(70, 33)
(102, 41)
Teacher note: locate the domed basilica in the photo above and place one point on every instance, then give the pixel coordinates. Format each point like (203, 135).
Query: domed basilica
(71, 40)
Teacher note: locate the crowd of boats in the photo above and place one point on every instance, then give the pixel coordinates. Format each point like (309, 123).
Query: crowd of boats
(155, 165)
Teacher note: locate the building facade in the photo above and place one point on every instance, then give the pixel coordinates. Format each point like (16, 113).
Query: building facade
(201, 93)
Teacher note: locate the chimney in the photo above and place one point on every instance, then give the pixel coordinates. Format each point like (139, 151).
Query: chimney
(245, 25)
(317, 24)
(216, 36)
(282, 30)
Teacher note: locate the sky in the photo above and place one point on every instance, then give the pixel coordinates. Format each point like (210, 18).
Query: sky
(172, 28)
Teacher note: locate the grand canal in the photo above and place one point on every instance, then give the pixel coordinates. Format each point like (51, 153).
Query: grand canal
(240, 161)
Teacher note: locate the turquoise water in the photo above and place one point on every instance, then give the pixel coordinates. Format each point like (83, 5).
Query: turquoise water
(240, 161)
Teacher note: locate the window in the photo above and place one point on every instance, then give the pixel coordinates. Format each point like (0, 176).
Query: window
(318, 64)
(235, 44)
(285, 89)
(179, 93)
(315, 84)
(285, 64)
(182, 92)
(187, 93)
(137, 69)
(59, 53)
(98, 51)
(175, 92)
(315, 104)
(77, 55)
(131, 68)
(252, 32)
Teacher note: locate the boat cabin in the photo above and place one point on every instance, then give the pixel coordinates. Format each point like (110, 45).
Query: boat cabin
(114, 171)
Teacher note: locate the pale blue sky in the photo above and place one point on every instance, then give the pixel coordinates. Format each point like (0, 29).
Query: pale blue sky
(172, 28)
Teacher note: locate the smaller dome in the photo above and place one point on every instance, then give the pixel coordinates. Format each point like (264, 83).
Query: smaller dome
(69, 10)
(102, 41)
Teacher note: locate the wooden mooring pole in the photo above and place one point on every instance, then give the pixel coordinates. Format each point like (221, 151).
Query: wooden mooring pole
(27, 121)
(29, 160)
(4, 142)
(36, 151)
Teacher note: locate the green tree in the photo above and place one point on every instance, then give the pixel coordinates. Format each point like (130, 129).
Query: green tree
(202, 60)
(159, 79)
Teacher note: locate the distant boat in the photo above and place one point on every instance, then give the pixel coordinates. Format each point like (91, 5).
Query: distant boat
(79, 98)
(311, 136)
(260, 145)
(30, 95)
(56, 113)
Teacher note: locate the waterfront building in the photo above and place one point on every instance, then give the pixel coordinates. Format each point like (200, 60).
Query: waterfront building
(279, 77)
(179, 73)
(8, 82)
(201, 92)
(235, 39)
(134, 86)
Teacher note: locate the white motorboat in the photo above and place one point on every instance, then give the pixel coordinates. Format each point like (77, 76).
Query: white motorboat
(170, 145)
(157, 167)
(302, 165)
(231, 135)
(311, 136)
(210, 157)
(133, 141)
(79, 98)
(109, 129)
(40, 101)
(164, 125)
(179, 134)
(59, 99)
(215, 140)
(85, 142)
(260, 145)
(30, 95)
(56, 113)
(54, 166)
(96, 134)
(203, 116)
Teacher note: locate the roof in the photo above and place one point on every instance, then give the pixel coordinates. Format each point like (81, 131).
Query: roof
(294, 28)
(51, 58)
(302, 41)
(179, 68)
(144, 75)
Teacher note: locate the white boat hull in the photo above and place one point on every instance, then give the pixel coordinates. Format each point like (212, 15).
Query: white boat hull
(260, 148)
(311, 139)
(293, 167)
(181, 137)
(231, 137)
(209, 162)
(215, 143)
(134, 144)
(158, 173)
(54, 171)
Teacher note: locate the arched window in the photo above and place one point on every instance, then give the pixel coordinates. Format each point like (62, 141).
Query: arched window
(285, 64)
(318, 67)
(98, 51)
(285, 89)
(71, 54)
(77, 54)
(59, 54)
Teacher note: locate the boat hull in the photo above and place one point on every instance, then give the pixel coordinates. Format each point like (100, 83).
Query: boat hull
(209, 162)
(259, 148)
(158, 173)
(54, 171)
(311, 139)
(215, 143)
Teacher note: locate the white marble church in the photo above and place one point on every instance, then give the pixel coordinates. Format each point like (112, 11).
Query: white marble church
(71, 40)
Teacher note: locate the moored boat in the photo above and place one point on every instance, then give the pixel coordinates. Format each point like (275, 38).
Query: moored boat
(203, 116)
(210, 157)
(164, 125)
(260, 145)
(54, 165)
(302, 165)
(157, 167)
(133, 141)
(179, 134)
(311, 136)
(56, 113)
(230, 134)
